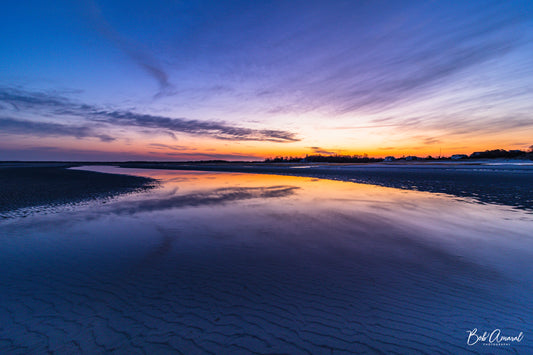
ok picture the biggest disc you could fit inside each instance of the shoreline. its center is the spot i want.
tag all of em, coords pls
(51, 183)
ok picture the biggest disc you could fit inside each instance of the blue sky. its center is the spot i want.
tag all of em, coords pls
(171, 80)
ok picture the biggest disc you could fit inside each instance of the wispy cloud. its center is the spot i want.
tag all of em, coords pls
(458, 123)
(171, 147)
(41, 129)
(354, 56)
(52, 105)
(135, 51)
(207, 156)
(219, 130)
(431, 140)
(319, 150)
(20, 100)
(47, 153)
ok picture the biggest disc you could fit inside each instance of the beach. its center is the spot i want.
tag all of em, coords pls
(26, 185)
(222, 262)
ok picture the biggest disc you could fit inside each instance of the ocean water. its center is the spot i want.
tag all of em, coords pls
(229, 263)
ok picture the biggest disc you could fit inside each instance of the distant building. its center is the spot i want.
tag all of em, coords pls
(389, 158)
(476, 154)
(412, 157)
(459, 156)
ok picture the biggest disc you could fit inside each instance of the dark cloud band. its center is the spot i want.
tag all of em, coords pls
(40, 129)
(44, 104)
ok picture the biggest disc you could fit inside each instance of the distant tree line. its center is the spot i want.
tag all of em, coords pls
(501, 153)
(488, 154)
(325, 159)
(284, 160)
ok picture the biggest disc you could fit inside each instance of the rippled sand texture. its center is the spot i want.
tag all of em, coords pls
(237, 263)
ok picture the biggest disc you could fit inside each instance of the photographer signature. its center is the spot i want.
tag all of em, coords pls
(493, 338)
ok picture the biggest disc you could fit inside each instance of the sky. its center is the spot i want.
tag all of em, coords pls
(246, 80)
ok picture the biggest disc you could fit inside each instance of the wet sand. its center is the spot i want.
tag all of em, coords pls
(228, 263)
(31, 185)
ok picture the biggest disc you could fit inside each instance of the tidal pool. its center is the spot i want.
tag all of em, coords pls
(229, 263)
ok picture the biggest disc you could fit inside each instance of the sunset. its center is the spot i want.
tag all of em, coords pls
(266, 177)
(249, 80)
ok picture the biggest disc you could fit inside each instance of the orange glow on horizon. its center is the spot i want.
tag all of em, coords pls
(191, 148)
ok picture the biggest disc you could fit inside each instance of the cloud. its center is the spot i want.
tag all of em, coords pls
(207, 156)
(184, 153)
(431, 140)
(458, 123)
(15, 126)
(318, 150)
(138, 54)
(219, 130)
(48, 153)
(44, 104)
(20, 100)
(354, 56)
(171, 147)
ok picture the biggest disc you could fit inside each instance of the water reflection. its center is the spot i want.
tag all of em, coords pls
(235, 263)
(208, 198)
